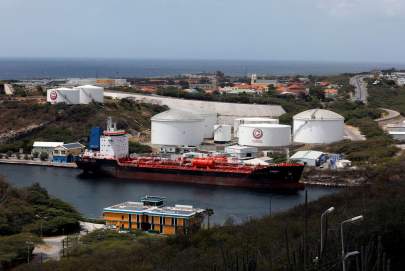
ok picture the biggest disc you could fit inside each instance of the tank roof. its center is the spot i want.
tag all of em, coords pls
(176, 115)
(318, 114)
(257, 119)
(265, 125)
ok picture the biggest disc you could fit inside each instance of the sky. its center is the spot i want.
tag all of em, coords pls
(303, 30)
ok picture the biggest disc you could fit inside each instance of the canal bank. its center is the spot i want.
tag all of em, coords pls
(91, 195)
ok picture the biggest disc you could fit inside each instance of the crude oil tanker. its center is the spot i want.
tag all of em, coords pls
(112, 159)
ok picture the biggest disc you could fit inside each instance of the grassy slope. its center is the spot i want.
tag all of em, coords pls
(72, 123)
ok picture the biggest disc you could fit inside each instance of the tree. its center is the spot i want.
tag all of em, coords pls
(209, 212)
(44, 156)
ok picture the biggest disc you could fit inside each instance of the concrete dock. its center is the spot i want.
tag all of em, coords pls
(37, 163)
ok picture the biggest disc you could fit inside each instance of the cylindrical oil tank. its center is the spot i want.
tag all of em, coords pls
(253, 120)
(178, 128)
(264, 135)
(318, 126)
(63, 95)
(222, 133)
(203, 162)
(89, 94)
(209, 120)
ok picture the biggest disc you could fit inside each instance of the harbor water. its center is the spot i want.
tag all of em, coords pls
(91, 195)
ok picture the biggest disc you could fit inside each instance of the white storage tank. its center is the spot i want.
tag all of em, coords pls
(240, 121)
(62, 95)
(209, 120)
(318, 126)
(264, 135)
(89, 94)
(178, 128)
(222, 133)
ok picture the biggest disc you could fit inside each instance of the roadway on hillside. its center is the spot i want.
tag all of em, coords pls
(360, 88)
(227, 112)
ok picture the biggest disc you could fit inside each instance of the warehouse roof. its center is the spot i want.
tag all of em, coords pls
(44, 144)
(75, 145)
(318, 114)
(176, 115)
(306, 155)
(184, 211)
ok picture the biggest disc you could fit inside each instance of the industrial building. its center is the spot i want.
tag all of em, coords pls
(318, 126)
(67, 153)
(152, 215)
(264, 135)
(241, 152)
(45, 147)
(310, 158)
(255, 120)
(177, 128)
(77, 95)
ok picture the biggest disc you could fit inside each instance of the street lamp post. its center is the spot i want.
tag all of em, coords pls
(349, 254)
(323, 216)
(28, 243)
(344, 255)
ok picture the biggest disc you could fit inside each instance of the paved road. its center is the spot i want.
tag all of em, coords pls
(51, 248)
(227, 112)
(353, 133)
(360, 91)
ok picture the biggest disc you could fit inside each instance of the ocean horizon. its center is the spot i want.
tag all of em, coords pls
(40, 68)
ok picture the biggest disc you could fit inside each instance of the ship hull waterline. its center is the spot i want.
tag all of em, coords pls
(275, 178)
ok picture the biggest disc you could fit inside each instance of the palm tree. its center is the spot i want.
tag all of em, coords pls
(209, 213)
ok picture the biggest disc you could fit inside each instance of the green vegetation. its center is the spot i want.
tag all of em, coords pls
(387, 95)
(285, 241)
(136, 147)
(25, 214)
(70, 123)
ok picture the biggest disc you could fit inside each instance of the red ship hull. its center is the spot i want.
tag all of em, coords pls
(272, 177)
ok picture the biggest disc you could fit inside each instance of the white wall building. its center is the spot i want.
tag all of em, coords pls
(45, 147)
(177, 128)
(265, 135)
(318, 126)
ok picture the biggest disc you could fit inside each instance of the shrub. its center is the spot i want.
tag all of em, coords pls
(44, 156)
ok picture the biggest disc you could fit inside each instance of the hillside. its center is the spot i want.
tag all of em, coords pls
(25, 214)
(286, 241)
(69, 123)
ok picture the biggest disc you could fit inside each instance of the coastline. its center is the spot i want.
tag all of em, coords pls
(37, 163)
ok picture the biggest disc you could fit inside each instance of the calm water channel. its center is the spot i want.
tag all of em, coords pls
(90, 196)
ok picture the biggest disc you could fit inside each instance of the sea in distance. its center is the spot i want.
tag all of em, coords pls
(91, 195)
(39, 68)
